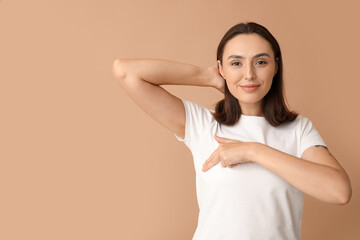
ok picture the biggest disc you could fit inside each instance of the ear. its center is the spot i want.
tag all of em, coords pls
(220, 68)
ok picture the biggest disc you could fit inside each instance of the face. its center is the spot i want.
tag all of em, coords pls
(248, 68)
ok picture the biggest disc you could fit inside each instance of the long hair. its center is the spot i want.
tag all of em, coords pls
(228, 110)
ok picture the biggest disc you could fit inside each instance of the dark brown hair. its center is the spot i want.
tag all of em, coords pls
(228, 111)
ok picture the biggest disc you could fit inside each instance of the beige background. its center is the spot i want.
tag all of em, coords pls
(79, 160)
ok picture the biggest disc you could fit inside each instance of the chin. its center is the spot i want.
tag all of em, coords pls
(250, 100)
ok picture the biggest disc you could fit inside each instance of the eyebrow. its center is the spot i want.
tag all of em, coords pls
(257, 55)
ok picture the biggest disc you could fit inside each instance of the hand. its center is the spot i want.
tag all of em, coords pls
(229, 153)
(217, 80)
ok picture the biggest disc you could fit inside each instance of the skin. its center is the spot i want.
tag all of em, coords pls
(250, 69)
(317, 173)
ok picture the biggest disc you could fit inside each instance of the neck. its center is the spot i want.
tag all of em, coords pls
(252, 109)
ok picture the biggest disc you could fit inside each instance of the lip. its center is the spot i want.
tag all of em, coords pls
(250, 87)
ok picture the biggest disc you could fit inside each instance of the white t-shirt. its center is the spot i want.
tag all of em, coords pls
(246, 202)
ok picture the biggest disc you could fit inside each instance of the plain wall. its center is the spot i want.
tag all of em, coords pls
(79, 160)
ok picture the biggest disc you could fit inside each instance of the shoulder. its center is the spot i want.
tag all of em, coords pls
(302, 125)
(197, 106)
(196, 110)
(300, 121)
(304, 122)
(309, 135)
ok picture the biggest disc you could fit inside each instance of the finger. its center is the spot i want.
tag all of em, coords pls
(220, 139)
(226, 164)
(223, 164)
(211, 164)
(215, 160)
(224, 140)
(232, 165)
(209, 159)
(206, 164)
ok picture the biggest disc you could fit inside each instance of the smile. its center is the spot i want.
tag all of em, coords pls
(250, 88)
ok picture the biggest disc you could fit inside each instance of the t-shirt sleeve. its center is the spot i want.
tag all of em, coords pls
(309, 136)
(198, 121)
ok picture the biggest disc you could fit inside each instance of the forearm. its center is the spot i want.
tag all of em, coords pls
(319, 181)
(162, 72)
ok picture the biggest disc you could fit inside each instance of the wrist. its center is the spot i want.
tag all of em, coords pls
(254, 151)
(205, 77)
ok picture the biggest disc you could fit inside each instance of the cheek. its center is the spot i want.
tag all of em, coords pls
(233, 78)
(231, 71)
(266, 78)
(231, 87)
(266, 73)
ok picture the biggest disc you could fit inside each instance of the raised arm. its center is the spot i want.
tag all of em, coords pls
(141, 80)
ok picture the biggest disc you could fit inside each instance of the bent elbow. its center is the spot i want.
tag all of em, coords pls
(345, 199)
(118, 69)
(345, 196)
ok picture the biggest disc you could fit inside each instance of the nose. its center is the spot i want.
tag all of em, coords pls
(249, 72)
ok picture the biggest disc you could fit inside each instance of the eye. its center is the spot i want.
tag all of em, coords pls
(235, 63)
(261, 62)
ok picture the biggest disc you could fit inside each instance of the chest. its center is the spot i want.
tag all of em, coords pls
(250, 177)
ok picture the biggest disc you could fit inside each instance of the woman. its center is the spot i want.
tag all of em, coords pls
(269, 156)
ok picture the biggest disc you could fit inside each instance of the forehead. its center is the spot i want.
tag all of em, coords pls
(247, 45)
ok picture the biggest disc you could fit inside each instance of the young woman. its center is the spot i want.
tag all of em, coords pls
(254, 158)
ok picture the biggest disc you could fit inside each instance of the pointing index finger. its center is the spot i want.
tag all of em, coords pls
(212, 161)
